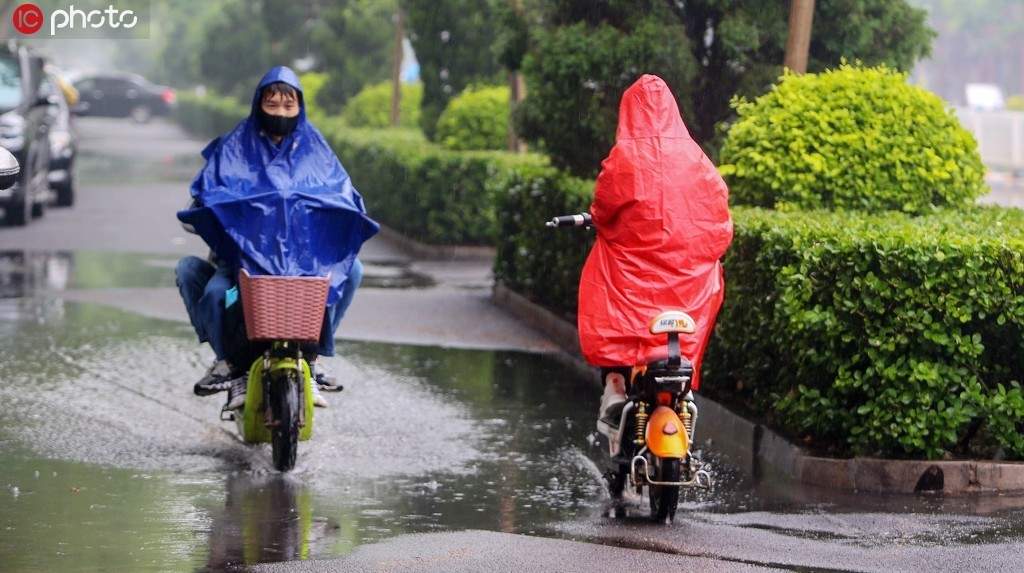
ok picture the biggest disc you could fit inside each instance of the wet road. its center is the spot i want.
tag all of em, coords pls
(453, 458)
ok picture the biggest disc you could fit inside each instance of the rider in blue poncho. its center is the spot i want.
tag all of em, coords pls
(273, 199)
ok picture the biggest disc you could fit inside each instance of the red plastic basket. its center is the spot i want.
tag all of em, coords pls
(283, 308)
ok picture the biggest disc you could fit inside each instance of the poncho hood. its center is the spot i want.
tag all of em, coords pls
(663, 224)
(279, 209)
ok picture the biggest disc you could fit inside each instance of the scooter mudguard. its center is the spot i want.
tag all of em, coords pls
(250, 420)
(666, 436)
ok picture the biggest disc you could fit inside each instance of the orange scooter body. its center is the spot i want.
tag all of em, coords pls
(666, 436)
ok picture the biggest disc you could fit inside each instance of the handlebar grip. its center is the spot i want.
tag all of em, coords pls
(580, 220)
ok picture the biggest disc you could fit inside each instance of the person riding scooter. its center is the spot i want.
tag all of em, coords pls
(662, 218)
(272, 199)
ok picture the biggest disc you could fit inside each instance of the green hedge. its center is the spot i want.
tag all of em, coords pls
(540, 263)
(852, 138)
(371, 107)
(209, 115)
(423, 191)
(476, 119)
(878, 335)
(875, 335)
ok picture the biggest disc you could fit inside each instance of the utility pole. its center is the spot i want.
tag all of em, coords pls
(396, 71)
(801, 19)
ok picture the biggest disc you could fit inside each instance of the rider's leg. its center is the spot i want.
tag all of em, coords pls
(332, 318)
(211, 308)
(211, 313)
(335, 312)
(614, 396)
(191, 276)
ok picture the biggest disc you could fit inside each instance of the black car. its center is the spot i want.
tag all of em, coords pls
(63, 141)
(24, 131)
(121, 95)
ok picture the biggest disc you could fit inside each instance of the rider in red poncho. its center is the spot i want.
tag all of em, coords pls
(662, 217)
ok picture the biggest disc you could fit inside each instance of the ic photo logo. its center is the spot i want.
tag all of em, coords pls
(27, 19)
(83, 20)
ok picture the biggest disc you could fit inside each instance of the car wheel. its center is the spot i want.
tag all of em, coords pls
(16, 213)
(65, 194)
(141, 114)
(38, 209)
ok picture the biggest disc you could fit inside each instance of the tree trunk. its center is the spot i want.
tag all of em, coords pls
(798, 45)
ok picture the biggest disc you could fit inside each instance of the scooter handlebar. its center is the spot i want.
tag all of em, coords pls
(580, 220)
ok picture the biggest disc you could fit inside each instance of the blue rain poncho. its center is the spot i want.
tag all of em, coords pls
(288, 209)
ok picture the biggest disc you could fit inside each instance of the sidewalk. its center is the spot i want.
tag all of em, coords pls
(456, 311)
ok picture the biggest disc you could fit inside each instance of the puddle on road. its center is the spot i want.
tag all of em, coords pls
(108, 462)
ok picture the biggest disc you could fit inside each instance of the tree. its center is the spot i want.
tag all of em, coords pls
(578, 67)
(235, 48)
(741, 44)
(712, 50)
(452, 39)
(354, 41)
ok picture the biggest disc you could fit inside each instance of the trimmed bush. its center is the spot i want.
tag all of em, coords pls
(312, 86)
(853, 138)
(371, 107)
(877, 334)
(476, 119)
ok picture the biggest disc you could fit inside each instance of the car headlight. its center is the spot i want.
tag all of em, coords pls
(12, 131)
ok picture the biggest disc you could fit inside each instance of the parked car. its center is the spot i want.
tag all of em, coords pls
(121, 95)
(24, 131)
(63, 139)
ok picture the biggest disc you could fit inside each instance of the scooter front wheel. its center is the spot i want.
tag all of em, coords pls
(665, 498)
(284, 435)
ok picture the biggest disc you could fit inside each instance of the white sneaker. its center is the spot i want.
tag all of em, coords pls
(318, 400)
(613, 398)
(236, 393)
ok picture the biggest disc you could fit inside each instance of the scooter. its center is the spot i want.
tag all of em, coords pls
(650, 434)
(283, 315)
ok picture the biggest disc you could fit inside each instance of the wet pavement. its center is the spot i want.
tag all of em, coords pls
(451, 448)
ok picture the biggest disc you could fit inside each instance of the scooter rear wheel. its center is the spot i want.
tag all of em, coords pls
(284, 403)
(665, 498)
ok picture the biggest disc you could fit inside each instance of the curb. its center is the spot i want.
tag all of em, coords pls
(437, 252)
(762, 453)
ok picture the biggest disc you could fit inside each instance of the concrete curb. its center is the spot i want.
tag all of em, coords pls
(761, 452)
(437, 252)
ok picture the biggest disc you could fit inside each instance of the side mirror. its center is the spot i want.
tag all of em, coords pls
(9, 169)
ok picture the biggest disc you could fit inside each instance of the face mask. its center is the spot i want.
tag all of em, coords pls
(276, 125)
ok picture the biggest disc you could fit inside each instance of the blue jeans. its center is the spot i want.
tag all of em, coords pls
(203, 289)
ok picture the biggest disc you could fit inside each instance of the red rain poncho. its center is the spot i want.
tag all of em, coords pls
(662, 217)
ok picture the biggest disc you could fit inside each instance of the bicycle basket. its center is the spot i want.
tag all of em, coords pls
(283, 308)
